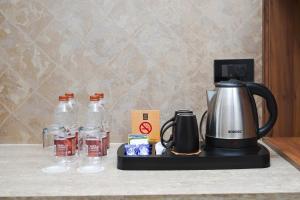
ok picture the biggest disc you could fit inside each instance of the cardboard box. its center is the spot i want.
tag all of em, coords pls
(146, 122)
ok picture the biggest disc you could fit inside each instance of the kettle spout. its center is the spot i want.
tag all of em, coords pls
(209, 95)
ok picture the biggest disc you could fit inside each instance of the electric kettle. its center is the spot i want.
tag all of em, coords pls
(232, 120)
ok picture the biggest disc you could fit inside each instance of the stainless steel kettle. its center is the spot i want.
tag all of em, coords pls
(232, 120)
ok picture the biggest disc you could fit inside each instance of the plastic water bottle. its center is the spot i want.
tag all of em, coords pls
(64, 117)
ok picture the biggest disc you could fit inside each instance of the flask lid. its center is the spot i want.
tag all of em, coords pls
(63, 98)
(230, 83)
(94, 98)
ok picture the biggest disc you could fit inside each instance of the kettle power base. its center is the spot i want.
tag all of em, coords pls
(259, 157)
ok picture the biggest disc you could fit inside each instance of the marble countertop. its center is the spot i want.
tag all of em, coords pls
(21, 176)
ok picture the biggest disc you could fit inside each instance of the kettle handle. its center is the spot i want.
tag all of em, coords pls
(261, 90)
(162, 131)
(167, 143)
(166, 123)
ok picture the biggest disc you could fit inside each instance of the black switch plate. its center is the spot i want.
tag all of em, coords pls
(240, 69)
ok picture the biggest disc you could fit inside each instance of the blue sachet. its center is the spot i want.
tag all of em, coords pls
(131, 150)
(137, 149)
(144, 149)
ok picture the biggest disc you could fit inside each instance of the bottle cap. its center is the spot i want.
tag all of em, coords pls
(63, 98)
(70, 95)
(100, 94)
(94, 98)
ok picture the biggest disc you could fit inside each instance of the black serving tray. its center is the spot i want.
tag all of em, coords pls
(255, 157)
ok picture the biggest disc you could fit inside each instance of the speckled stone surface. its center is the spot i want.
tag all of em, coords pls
(21, 178)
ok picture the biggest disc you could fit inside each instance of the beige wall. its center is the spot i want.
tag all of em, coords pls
(142, 54)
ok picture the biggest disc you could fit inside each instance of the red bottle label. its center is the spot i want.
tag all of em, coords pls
(60, 147)
(65, 147)
(93, 148)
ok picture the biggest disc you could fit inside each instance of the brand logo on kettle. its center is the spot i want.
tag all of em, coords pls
(235, 131)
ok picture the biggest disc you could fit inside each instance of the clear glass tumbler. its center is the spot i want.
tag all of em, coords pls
(90, 150)
(56, 145)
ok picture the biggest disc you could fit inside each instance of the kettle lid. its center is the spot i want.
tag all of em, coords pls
(230, 83)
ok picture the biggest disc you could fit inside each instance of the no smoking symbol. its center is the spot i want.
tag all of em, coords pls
(145, 128)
